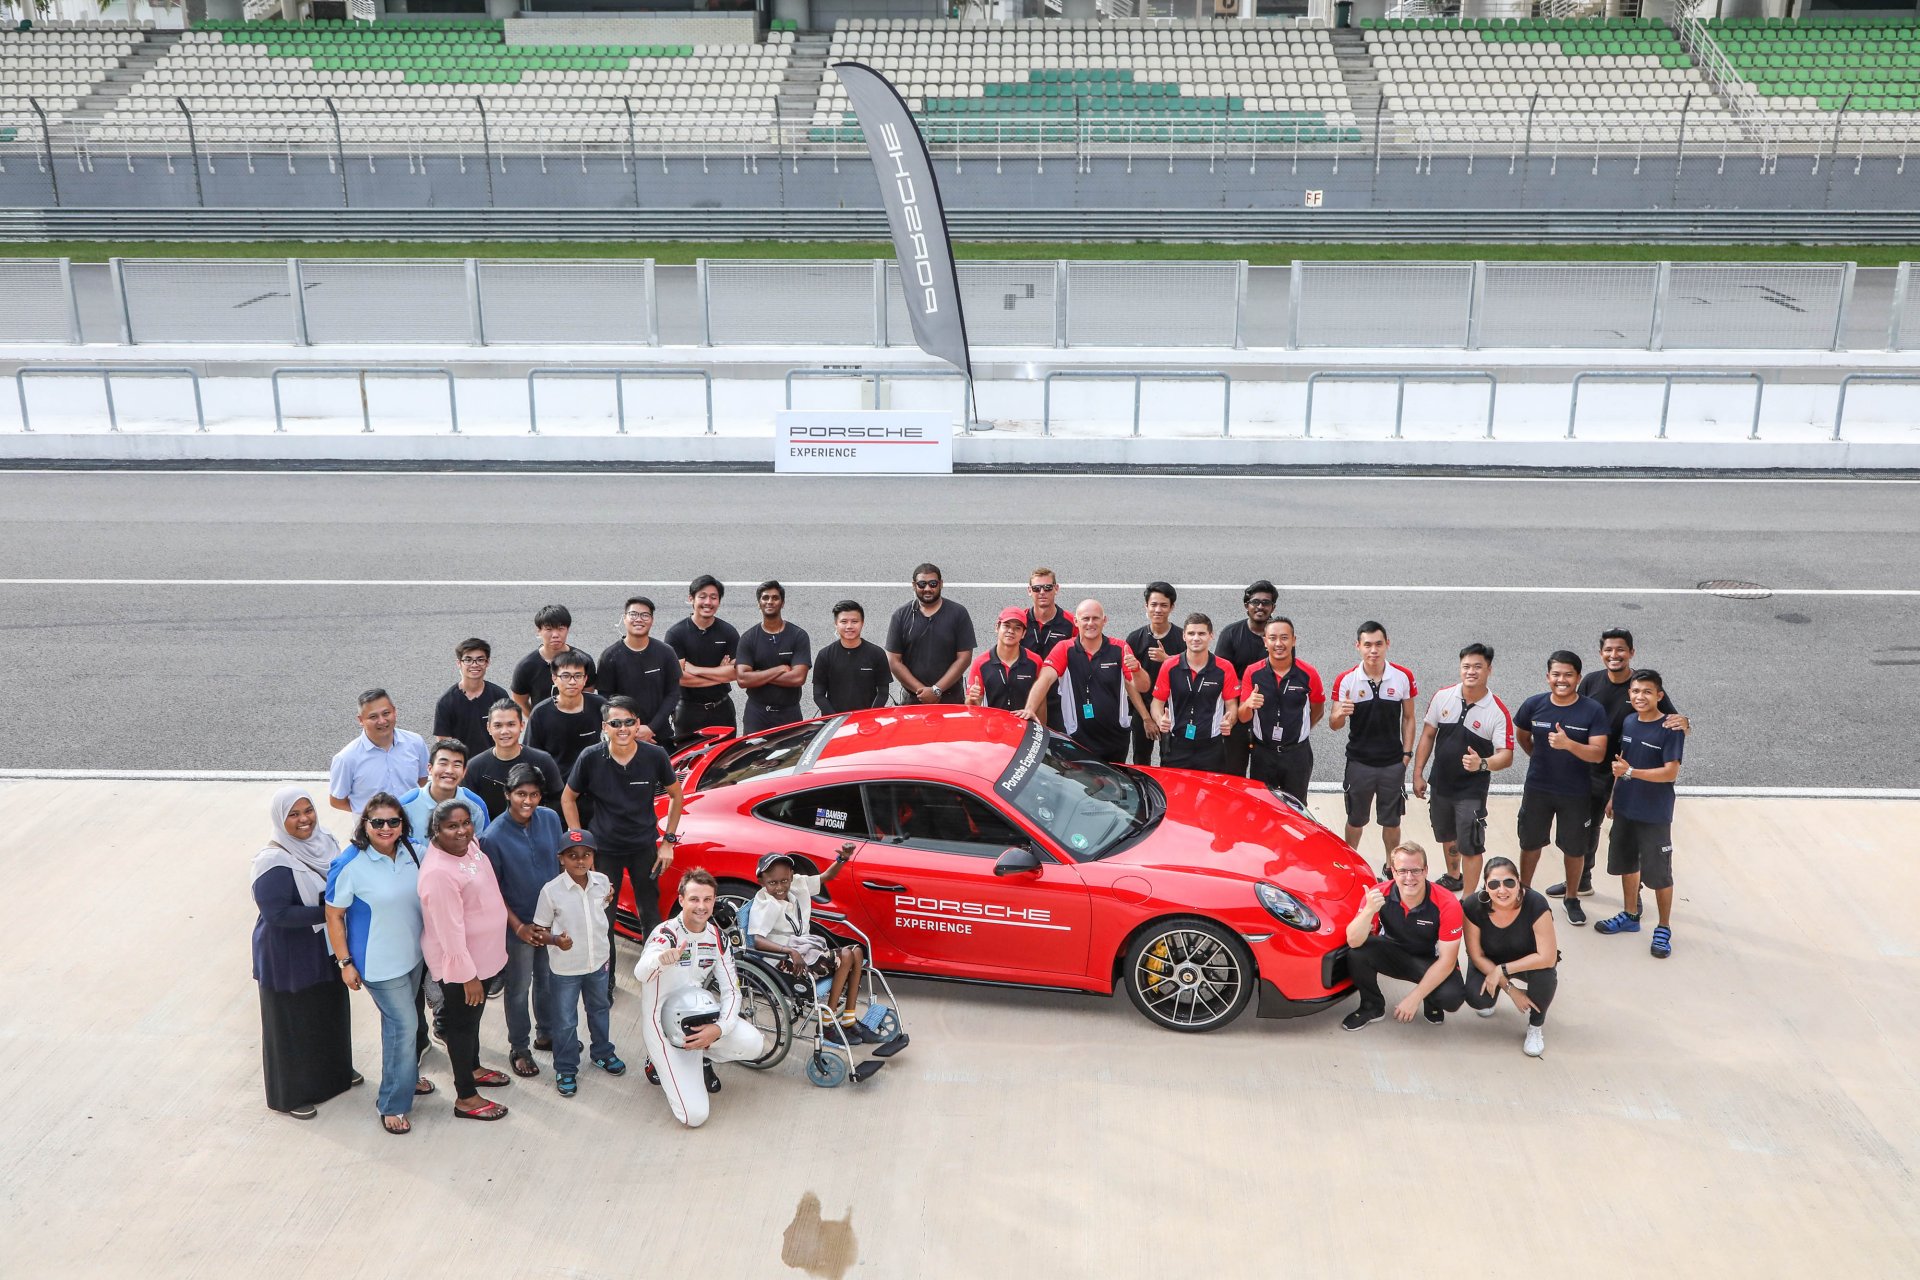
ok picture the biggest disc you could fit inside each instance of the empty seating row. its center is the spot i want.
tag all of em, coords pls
(58, 68)
(1855, 64)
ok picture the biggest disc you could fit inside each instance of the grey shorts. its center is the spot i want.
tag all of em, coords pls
(1460, 819)
(1567, 820)
(1643, 847)
(1375, 787)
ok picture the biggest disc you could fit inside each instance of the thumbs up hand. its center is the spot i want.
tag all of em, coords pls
(1620, 766)
(1471, 761)
(1558, 739)
(1256, 699)
(975, 693)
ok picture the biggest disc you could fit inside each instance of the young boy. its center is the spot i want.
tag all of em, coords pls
(572, 915)
(778, 918)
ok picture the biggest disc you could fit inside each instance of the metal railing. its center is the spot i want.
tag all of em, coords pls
(1139, 378)
(1840, 405)
(882, 375)
(619, 374)
(366, 411)
(1667, 377)
(1400, 378)
(106, 375)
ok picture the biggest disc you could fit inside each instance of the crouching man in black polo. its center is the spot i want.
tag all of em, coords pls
(1409, 929)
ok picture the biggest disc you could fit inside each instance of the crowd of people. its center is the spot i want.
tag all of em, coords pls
(487, 859)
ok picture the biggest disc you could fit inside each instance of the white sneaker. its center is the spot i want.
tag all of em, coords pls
(1536, 1045)
(1486, 1012)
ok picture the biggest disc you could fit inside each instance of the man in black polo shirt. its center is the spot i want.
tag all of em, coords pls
(569, 722)
(487, 772)
(930, 643)
(1241, 645)
(647, 670)
(707, 648)
(1154, 644)
(1280, 702)
(462, 710)
(533, 675)
(1100, 686)
(1194, 700)
(1047, 625)
(774, 658)
(850, 674)
(1408, 929)
(621, 777)
(1003, 676)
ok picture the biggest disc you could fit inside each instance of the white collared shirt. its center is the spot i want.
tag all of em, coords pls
(580, 912)
(771, 918)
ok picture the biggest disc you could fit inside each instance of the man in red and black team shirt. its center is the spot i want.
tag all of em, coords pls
(1003, 676)
(1468, 735)
(1100, 686)
(1376, 698)
(1047, 625)
(1280, 702)
(1408, 928)
(1193, 702)
(1242, 645)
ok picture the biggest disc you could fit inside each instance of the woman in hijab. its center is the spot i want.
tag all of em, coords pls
(306, 1038)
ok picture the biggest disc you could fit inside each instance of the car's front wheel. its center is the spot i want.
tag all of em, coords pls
(1189, 974)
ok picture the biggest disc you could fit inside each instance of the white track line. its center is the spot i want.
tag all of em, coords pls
(1319, 788)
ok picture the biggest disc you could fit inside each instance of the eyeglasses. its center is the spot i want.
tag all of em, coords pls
(382, 824)
(1411, 871)
(569, 675)
(925, 584)
(1043, 588)
(1260, 602)
(636, 616)
(1508, 883)
(622, 724)
(475, 659)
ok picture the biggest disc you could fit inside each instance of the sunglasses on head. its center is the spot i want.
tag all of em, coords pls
(1506, 883)
(383, 823)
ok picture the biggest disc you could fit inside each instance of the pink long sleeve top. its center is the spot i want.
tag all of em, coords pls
(463, 919)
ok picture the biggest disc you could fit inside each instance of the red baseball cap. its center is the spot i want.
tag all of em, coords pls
(1013, 613)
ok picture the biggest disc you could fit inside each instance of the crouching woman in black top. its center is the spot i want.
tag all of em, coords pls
(1511, 948)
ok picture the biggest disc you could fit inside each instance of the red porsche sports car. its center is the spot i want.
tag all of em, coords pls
(990, 850)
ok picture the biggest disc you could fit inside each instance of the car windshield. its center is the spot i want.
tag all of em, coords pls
(760, 756)
(1081, 802)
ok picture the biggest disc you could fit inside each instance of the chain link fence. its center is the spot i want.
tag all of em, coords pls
(1363, 304)
(1599, 305)
(806, 303)
(1137, 304)
(36, 301)
(1007, 304)
(1764, 305)
(551, 301)
(208, 300)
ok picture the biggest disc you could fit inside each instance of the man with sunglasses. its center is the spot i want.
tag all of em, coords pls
(621, 778)
(1243, 645)
(1408, 928)
(1047, 625)
(930, 643)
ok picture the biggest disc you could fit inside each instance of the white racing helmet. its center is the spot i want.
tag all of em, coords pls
(686, 1010)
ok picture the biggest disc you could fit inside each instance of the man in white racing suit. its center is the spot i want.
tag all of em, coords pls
(687, 951)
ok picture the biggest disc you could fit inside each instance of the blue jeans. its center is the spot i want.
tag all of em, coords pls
(527, 972)
(398, 1000)
(568, 991)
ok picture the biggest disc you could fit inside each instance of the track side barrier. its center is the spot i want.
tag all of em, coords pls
(1139, 377)
(366, 413)
(1667, 378)
(619, 374)
(106, 374)
(1400, 378)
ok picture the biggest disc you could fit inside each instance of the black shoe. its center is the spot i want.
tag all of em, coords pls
(1436, 1015)
(1576, 914)
(1452, 884)
(713, 1078)
(1557, 890)
(1586, 886)
(1361, 1017)
(652, 1077)
(356, 1079)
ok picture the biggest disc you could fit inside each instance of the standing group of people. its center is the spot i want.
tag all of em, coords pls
(492, 856)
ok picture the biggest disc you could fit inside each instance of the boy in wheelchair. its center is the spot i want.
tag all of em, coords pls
(778, 922)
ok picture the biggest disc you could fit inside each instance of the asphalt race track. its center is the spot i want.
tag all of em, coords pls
(208, 621)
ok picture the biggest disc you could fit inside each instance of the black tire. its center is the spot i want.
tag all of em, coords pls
(739, 895)
(1188, 974)
(763, 1005)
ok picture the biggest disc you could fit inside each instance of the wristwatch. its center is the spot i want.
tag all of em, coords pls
(1629, 773)
(670, 837)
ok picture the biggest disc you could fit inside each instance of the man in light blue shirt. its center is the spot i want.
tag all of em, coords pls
(446, 769)
(382, 758)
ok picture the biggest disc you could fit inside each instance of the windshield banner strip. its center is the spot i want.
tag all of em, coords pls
(1025, 763)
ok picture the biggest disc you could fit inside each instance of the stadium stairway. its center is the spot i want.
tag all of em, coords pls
(113, 90)
(1356, 68)
(806, 70)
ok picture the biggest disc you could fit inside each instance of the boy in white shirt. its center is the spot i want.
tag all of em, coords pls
(572, 914)
(778, 921)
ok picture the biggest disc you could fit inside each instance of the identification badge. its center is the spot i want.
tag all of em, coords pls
(1189, 733)
(1086, 711)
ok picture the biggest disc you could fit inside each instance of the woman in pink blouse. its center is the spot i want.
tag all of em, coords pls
(464, 936)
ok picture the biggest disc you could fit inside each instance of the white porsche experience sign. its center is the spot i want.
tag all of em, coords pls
(863, 441)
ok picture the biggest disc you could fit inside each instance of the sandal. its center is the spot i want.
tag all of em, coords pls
(396, 1125)
(422, 1087)
(490, 1078)
(303, 1113)
(523, 1065)
(490, 1111)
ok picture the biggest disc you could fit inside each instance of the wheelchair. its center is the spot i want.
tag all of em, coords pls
(785, 1008)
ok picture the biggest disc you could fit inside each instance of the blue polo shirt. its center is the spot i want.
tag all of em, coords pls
(360, 769)
(419, 806)
(1647, 744)
(381, 897)
(1549, 769)
(523, 858)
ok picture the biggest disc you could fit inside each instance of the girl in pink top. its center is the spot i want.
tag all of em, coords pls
(464, 935)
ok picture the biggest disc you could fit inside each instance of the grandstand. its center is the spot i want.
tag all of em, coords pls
(58, 63)
(1859, 64)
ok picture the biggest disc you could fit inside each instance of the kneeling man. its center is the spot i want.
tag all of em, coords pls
(688, 953)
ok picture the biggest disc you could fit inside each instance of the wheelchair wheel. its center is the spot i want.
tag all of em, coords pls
(827, 1069)
(762, 1005)
(889, 1024)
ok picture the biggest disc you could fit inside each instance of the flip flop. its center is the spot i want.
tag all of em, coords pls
(492, 1111)
(404, 1125)
(422, 1087)
(523, 1065)
(490, 1078)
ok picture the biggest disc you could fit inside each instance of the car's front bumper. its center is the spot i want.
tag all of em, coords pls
(1333, 974)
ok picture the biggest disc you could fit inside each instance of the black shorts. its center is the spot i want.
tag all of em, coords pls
(1643, 847)
(1568, 820)
(1371, 788)
(1460, 819)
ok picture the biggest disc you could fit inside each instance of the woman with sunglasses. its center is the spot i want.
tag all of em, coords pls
(1511, 948)
(373, 924)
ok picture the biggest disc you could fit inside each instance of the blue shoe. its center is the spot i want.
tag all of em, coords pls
(611, 1064)
(567, 1085)
(1662, 942)
(1625, 922)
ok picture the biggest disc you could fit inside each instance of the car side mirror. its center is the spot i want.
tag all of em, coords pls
(1016, 861)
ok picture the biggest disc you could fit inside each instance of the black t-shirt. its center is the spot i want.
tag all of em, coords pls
(762, 650)
(650, 676)
(1515, 942)
(928, 646)
(1172, 644)
(487, 778)
(714, 647)
(458, 716)
(565, 734)
(622, 795)
(1613, 697)
(850, 679)
(1242, 646)
(533, 676)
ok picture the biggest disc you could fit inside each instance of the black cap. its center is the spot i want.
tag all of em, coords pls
(769, 861)
(577, 839)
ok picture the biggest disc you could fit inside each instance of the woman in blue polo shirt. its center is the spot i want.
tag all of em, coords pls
(373, 922)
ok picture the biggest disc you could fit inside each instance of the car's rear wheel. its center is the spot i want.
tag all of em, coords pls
(1189, 974)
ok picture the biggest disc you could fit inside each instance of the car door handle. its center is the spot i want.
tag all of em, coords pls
(878, 887)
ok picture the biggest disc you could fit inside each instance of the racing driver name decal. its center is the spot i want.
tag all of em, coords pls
(949, 915)
(1022, 765)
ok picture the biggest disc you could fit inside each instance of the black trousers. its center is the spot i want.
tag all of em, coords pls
(460, 1026)
(1209, 756)
(691, 717)
(1109, 745)
(1379, 958)
(1289, 768)
(1239, 745)
(637, 865)
(1143, 746)
(1541, 985)
(759, 719)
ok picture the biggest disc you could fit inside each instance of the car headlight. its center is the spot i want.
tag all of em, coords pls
(1286, 908)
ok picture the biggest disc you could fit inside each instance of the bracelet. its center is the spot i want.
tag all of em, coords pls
(343, 964)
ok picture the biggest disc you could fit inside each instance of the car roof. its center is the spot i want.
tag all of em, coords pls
(972, 741)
